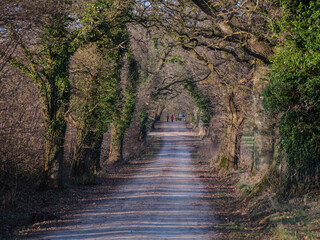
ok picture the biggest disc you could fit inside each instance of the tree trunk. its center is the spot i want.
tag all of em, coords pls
(124, 115)
(96, 150)
(116, 144)
(263, 129)
(230, 150)
(157, 115)
(237, 150)
(87, 153)
(143, 122)
(81, 158)
(203, 128)
(87, 164)
(54, 150)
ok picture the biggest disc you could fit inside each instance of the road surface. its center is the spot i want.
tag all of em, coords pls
(165, 199)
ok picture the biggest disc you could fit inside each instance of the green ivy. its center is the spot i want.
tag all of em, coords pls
(293, 94)
(104, 26)
(143, 120)
(201, 100)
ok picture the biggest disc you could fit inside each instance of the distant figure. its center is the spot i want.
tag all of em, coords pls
(184, 116)
(180, 116)
(167, 117)
(171, 118)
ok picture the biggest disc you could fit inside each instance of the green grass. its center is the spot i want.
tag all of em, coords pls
(290, 221)
(296, 224)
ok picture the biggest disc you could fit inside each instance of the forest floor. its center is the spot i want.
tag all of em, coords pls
(169, 193)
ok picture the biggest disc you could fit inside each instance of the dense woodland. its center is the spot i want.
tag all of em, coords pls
(81, 82)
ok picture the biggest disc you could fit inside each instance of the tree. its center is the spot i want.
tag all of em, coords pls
(245, 26)
(199, 36)
(201, 101)
(94, 79)
(294, 92)
(124, 110)
(105, 40)
(153, 52)
(44, 47)
(239, 30)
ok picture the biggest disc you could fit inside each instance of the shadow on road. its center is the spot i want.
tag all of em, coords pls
(163, 198)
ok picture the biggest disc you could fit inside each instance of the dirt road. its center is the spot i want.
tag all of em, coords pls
(165, 199)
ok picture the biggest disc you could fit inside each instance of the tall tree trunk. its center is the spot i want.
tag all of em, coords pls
(143, 122)
(263, 129)
(96, 150)
(81, 158)
(124, 115)
(157, 115)
(229, 151)
(116, 144)
(238, 150)
(203, 128)
(86, 159)
(54, 151)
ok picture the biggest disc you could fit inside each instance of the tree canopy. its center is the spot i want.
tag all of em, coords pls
(102, 66)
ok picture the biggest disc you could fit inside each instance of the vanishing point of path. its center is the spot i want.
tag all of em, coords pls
(165, 199)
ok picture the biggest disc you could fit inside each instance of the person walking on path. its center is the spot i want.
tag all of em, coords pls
(172, 118)
(184, 116)
(180, 116)
(167, 117)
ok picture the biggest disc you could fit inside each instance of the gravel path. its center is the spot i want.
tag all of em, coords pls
(165, 199)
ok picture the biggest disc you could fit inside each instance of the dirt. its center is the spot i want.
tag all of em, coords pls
(169, 193)
(162, 198)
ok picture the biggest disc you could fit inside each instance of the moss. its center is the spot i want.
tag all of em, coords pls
(267, 181)
(253, 171)
(223, 162)
(259, 187)
(201, 100)
(245, 189)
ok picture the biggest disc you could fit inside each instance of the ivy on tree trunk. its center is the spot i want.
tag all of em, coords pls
(49, 69)
(124, 114)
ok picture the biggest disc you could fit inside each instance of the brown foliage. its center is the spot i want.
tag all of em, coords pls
(21, 141)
